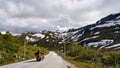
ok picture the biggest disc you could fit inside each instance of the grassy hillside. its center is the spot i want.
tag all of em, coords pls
(84, 57)
(12, 49)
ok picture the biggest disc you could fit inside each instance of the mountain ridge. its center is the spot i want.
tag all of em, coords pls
(104, 34)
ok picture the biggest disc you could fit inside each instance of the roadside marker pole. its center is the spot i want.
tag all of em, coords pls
(24, 49)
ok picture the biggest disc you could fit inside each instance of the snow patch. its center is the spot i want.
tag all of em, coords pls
(47, 40)
(89, 38)
(32, 40)
(81, 34)
(3, 32)
(76, 32)
(15, 34)
(117, 48)
(77, 36)
(60, 42)
(118, 17)
(104, 42)
(63, 34)
(96, 33)
(117, 32)
(95, 44)
(110, 23)
(27, 38)
(116, 45)
(117, 28)
(39, 35)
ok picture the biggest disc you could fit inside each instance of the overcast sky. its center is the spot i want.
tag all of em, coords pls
(35, 15)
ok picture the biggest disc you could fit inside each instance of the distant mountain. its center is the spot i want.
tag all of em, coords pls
(104, 34)
(47, 39)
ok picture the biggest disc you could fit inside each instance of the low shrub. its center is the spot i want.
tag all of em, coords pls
(87, 54)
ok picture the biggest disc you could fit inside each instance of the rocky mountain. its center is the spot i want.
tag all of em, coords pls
(104, 34)
(47, 39)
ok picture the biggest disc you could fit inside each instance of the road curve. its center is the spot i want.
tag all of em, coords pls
(52, 60)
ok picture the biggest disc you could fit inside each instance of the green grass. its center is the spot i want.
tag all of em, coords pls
(11, 46)
(79, 64)
(85, 57)
(7, 57)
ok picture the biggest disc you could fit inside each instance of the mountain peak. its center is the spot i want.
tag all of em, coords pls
(109, 18)
(105, 34)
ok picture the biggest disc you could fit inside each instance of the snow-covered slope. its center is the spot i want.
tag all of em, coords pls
(104, 34)
(48, 39)
(34, 37)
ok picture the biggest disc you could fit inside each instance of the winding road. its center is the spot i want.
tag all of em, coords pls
(52, 60)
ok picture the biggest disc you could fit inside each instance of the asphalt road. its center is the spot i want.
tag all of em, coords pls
(52, 60)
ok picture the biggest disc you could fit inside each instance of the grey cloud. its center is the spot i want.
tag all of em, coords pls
(35, 15)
